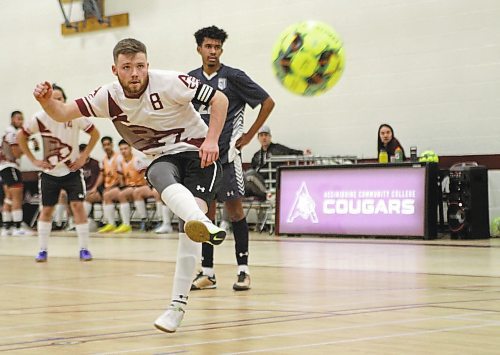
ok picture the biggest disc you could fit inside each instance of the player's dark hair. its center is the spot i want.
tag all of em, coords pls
(82, 147)
(123, 141)
(106, 138)
(128, 46)
(211, 32)
(57, 87)
(15, 113)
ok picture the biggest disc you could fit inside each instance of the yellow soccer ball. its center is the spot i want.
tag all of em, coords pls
(308, 58)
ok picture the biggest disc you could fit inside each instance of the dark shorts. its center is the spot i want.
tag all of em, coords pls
(11, 176)
(51, 186)
(184, 168)
(233, 184)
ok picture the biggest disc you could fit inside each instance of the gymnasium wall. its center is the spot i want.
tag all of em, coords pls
(431, 68)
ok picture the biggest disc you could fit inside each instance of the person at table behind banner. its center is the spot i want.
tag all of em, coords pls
(386, 141)
(254, 179)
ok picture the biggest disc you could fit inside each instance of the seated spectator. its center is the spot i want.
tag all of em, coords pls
(140, 195)
(110, 189)
(132, 169)
(386, 141)
(254, 180)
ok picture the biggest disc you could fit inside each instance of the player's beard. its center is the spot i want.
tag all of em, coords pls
(131, 91)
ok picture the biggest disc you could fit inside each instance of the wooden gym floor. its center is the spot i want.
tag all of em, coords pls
(308, 296)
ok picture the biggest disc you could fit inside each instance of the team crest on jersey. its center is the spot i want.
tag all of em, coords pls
(222, 83)
(55, 150)
(190, 81)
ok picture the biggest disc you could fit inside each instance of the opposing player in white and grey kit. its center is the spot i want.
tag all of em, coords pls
(12, 212)
(61, 164)
(152, 110)
(240, 90)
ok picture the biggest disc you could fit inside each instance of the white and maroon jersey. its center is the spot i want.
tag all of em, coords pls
(9, 140)
(60, 140)
(162, 120)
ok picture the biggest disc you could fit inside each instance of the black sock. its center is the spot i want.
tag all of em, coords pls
(240, 231)
(207, 255)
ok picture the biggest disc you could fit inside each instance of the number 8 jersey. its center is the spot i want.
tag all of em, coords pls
(162, 120)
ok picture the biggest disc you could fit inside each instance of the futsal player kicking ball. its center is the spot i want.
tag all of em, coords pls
(61, 166)
(152, 110)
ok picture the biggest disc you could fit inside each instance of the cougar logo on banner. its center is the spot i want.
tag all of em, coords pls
(303, 206)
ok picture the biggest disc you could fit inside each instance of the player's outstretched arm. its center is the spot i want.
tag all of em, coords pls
(59, 111)
(209, 150)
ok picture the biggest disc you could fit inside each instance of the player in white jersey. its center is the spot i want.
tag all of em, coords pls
(152, 110)
(12, 212)
(61, 170)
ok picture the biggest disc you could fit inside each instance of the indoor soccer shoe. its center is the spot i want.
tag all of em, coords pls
(243, 282)
(19, 232)
(164, 229)
(203, 282)
(170, 320)
(85, 255)
(41, 257)
(107, 228)
(202, 232)
(123, 228)
(6, 232)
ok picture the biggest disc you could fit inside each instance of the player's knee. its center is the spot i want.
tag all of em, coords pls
(46, 213)
(236, 216)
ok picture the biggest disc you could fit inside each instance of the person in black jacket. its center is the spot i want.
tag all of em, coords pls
(254, 180)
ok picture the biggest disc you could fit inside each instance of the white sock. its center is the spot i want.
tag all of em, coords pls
(17, 216)
(188, 253)
(165, 215)
(140, 207)
(159, 205)
(6, 216)
(43, 229)
(125, 213)
(82, 231)
(59, 213)
(109, 213)
(243, 268)
(88, 207)
(181, 201)
(208, 271)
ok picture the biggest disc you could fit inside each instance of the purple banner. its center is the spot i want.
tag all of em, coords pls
(358, 201)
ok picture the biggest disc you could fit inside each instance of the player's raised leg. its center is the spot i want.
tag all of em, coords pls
(180, 198)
